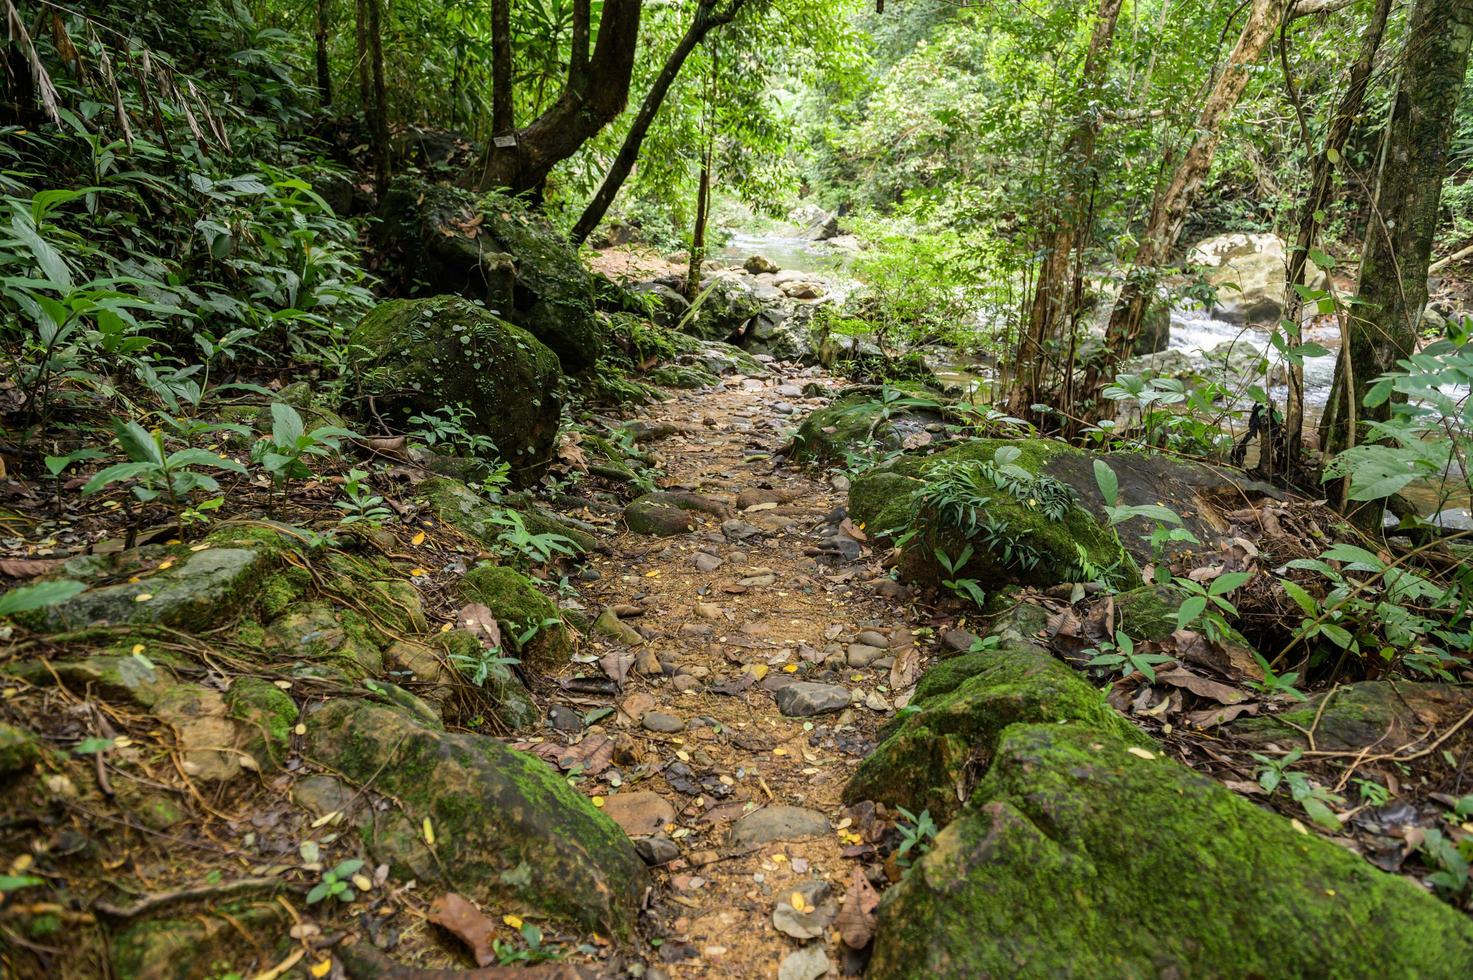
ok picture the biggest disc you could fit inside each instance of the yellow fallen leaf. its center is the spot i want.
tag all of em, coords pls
(759, 671)
(418, 539)
(779, 751)
(138, 648)
(363, 882)
(515, 921)
(322, 969)
(168, 563)
(301, 729)
(796, 900)
(134, 579)
(1142, 753)
(790, 668)
(122, 742)
(1299, 826)
(143, 597)
(199, 547)
(429, 831)
(654, 574)
(417, 572)
(446, 628)
(598, 801)
(779, 858)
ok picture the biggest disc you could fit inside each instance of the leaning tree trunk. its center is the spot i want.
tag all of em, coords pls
(521, 159)
(1312, 210)
(1173, 202)
(707, 18)
(1393, 273)
(324, 75)
(503, 112)
(1053, 295)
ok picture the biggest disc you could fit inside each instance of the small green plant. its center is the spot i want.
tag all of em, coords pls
(1273, 683)
(1373, 792)
(1122, 654)
(917, 832)
(447, 427)
(27, 597)
(1315, 800)
(361, 504)
(1451, 879)
(533, 952)
(479, 666)
(158, 473)
(962, 588)
(516, 541)
(282, 453)
(337, 883)
(1208, 604)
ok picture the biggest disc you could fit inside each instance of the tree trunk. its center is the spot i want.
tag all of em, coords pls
(707, 18)
(324, 76)
(1053, 294)
(703, 188)
(365, 74)
(1393, 274)
(378, 114)
(578, 58)
(521, 159)
(503, 111)
(1174, 201)
(1311, 212)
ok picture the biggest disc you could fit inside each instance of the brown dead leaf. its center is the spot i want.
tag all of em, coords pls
(388, 445)
(481, 621)
(616, 664)
(27, 567)
(1205, 574)
(467, 923)
(906, 669)
(916, 440)
(856, 919)
(1201, 686)
(847, 526)
(595, 754)
(1233, 662)
(1212, 717)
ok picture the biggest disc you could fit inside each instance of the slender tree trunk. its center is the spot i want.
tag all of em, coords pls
(1052, 295)
(1172, 204)
(1393, 274)
(365, 73)
(521, 159)
(707, 19)
(703, 188)
(578, 58)
(324, 75)
(503, 112)
(378, 119)
(1311, 211)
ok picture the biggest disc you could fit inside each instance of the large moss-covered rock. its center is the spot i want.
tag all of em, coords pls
(1023, 546)
(931, 756)
(176, 587)
(667, 513)
(320, 633)
(1079, 857)
(415, 356)
(19, 750)
(510, 701)
(1149, 613)
(1382, 714)
(267, 715)
(507, 830)
(858, 422)
(233, 939)
(491, 248)
(518, 608)
(723, 309)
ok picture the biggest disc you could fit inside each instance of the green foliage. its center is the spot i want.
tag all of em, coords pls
(917, 833)
(517, 542)
(156, 472)
(1315, 799)
(336, 883)
(282, 453)
(446, 427)
(1122, 655)
(361, 503)
(479, 665)
(24, 598)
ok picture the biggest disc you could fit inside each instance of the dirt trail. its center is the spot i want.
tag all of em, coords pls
(783, 607)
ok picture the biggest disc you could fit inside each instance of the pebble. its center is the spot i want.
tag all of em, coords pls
(564, 719)
(648, 664)
(656, 850)
(659, 721)
(774, 823)
(804, 699)
(590, 574)
(685, 683)
(808, 963)
(819, 910)
(705, 562)
(839, 482)
(708, 610)
(873, 638)
(864, 654)
(639, 814)
(959, 640)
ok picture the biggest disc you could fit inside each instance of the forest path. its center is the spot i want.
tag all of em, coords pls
(742, 797)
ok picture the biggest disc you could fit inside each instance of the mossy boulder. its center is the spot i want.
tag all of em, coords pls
(507, 830)
(858, 422)
(1023, 545)
(1077, 856)
(19, 750)
(665, 514)
(723, 309)
(267, 714)
(415, 356)
(233, 939)
(492, 248)
(931, 756)
(123, 678)
(1366, 714)
(176, 587)
(518, 607)
(684, 376)
(458, 505)
(320, 632)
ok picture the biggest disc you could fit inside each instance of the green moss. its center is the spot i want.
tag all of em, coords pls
(390, 599)
(418, 355)
(268, 713)
(854, 424)
(1076, 857)
(1149, 613)
(508, 829)
(18, 750)
(683, 376)
(518, 607)
(319, 631)
(931, 756)
(509, 699)
(205, 943)
(281, 589)
(458, 505)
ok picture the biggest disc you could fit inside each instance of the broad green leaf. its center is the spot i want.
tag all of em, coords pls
(1301, 598)
(38, 596)
(1108, 483)
(286, 425)
(1224, 584)
(1190, 610)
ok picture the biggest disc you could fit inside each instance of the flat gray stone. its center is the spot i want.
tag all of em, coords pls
(706, 563)
(862, 654)
(808, 963)
(873, 638)
(659, 721)
(804, 699)
(773, 823)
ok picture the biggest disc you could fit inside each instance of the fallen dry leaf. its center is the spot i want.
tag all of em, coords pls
(479, 620)
(467, 923)
(1201, 686)
(1212, 717)
(856, 920)
(27, 567)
